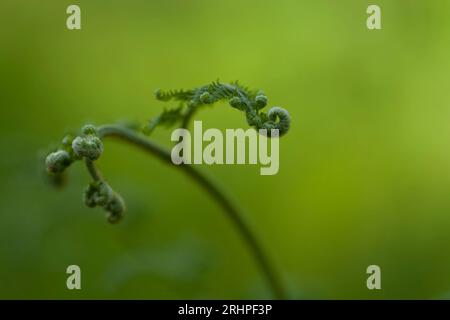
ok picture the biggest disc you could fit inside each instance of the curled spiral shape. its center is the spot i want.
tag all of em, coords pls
(206, 98)
(260, 101)
(284, 120)
(277, 118)
(88, 146)
(58, 161)
(236, 102)
(251, 102)
(99, 193)
(115, 208)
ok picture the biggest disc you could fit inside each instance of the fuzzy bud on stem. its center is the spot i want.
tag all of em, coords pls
(206, 98)
(89, 145)
(58, 161)
(260, 101)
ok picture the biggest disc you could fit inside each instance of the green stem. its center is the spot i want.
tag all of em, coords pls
(209, 186)
(93, 171)
(187, 117)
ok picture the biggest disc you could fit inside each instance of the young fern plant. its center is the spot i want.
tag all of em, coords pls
(239, 97)
(88, 147)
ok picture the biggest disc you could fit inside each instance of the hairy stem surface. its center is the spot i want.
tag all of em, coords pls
(210, 187)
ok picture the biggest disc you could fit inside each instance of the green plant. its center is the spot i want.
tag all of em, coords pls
(88, 146)
(249, 101)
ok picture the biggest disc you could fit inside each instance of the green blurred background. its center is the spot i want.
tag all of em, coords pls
(364, 174)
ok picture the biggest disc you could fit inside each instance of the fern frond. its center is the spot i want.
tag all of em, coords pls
(168, 118)
(238, 96)
(180, 95)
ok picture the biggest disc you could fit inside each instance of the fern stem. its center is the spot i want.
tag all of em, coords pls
(209, 186)
(93, 171)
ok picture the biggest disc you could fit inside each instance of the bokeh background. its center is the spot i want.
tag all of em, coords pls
(364, 174)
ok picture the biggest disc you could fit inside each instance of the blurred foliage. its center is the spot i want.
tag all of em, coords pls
(364, 174)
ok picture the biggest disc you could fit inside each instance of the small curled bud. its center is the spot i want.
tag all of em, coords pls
(89, 129)
(236, 102)
(90, 147)
(115, 208)
(88, 195)
(58, 161)
(260, 101)
(254, 120)
(284, 118)
(105, 194)
(98, 193)
(206, 98)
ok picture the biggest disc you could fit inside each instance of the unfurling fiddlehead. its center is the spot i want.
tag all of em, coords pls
(88, 146)
(239, 97)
